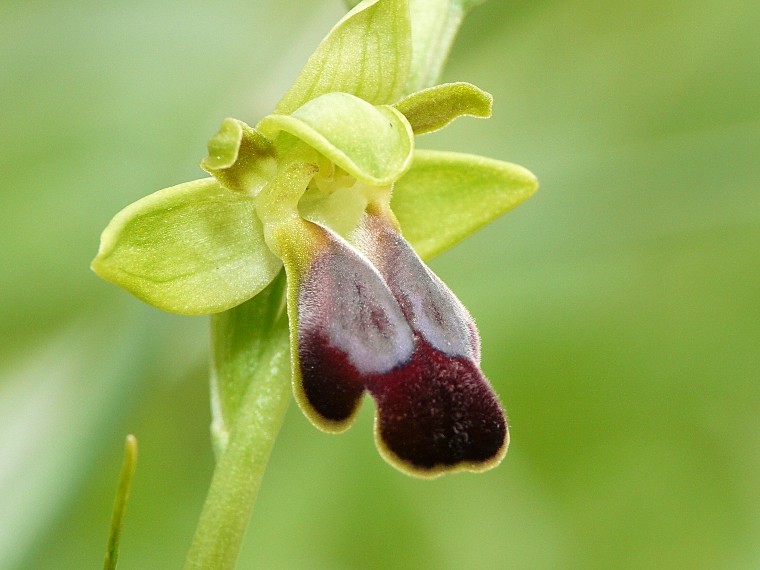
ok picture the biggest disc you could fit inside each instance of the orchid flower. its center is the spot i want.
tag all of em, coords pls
(330, 189)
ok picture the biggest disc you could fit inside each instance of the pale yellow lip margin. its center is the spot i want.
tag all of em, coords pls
(435, 472)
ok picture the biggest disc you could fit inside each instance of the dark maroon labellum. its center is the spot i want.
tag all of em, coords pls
(414, 349)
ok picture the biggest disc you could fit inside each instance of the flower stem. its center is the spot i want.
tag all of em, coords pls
(250, 426)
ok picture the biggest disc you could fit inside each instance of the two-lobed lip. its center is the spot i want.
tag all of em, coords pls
(372, 317)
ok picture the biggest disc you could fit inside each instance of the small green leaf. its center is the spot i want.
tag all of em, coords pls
(367, 54)
(373, 144)
(434, 27)
(240, 158)
(120, 503)
(446, 196)
(195, 248)
(434, 108)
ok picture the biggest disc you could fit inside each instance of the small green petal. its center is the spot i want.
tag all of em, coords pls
(193, 249)
(373, 144)
(434, 108)
(367, 54)
(446, 196)
(240, 158)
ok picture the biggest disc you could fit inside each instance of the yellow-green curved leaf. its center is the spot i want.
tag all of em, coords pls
(374, 144)
(195, 248)
(367, 54)
(434, 108)
(446, 196)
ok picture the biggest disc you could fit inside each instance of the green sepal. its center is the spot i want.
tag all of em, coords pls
(367, 54)
(240, 158)
(434, 108)
(193, 249)
(446, 196)
(373, 144)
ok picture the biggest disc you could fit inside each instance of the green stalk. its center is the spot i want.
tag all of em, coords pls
(251, 391)
(120, 503)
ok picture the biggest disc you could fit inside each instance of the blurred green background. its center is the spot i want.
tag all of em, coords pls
(619, 307)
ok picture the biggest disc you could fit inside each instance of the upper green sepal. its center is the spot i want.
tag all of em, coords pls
(367, 54)
(434, 108)
(372, 143)
(240, 158)
(193, 249)
(446, 196)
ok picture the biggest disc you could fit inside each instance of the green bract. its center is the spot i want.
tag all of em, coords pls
(434, 26)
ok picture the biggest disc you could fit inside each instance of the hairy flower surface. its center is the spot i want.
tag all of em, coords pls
(331, 189)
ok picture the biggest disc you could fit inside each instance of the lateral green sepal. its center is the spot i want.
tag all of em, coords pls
(446, 196)
(193, 249)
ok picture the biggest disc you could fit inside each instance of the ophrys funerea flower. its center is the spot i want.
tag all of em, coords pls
(331, 189)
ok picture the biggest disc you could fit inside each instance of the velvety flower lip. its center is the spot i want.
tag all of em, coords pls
(385, 324)
(437, 413)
